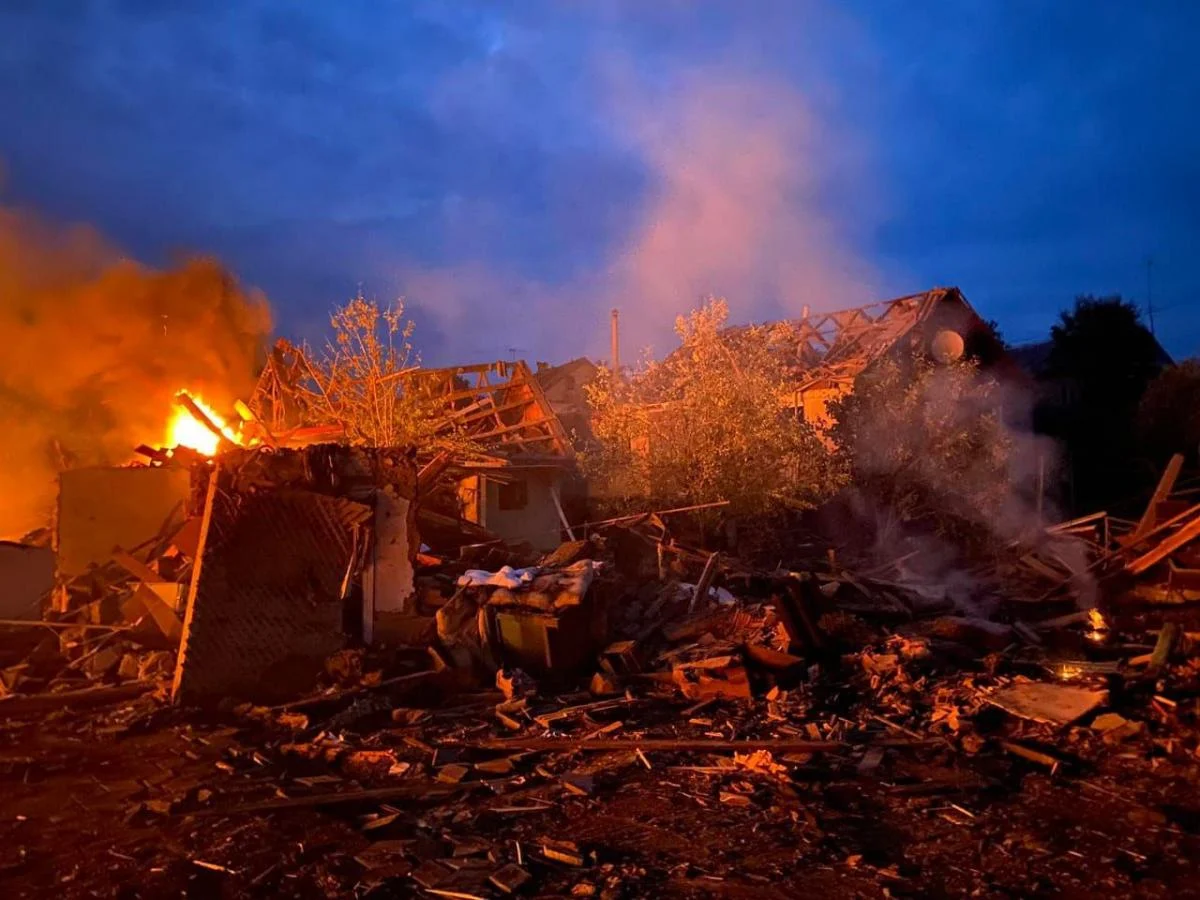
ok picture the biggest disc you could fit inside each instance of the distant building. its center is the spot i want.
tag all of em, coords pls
(564, 389)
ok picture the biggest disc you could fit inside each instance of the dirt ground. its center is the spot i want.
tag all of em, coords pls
(127, 803)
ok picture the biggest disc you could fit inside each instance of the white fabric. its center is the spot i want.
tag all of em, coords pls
(507, 577)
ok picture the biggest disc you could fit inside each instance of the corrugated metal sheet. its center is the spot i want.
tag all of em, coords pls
(266, 607)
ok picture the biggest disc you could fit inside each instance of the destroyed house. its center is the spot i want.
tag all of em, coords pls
(565, 389)
(509, 476)
(827, 352)
(508, 454)
(256, 563)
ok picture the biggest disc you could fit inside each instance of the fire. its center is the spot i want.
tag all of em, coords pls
(185, 430)
(1097, 627)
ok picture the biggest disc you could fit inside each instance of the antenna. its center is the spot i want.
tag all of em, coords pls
(1150, 292)
(513, 351)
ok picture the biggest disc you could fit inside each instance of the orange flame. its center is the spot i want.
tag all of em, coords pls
(1097, 627)
(185, 430)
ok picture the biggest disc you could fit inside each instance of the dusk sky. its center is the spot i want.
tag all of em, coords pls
(516, 169)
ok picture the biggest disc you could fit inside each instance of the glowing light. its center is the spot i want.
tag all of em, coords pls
(1097, 627)
(1067, 672)
(185, 430)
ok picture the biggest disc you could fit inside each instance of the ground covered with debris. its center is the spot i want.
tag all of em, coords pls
(718, 748)
(628, 715)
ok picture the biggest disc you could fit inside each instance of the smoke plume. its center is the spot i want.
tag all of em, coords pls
(745, 189)
(96, 347)
(740, 206)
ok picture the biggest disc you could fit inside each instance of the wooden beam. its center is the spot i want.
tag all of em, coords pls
(94, 696)
(1166, 484)
(705, 582)
(681, 745)
(210, 497)
(1184, 535)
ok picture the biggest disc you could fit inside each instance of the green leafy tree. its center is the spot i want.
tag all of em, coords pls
(705, 424)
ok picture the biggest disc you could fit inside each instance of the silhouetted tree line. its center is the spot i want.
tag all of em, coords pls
(1117, 405)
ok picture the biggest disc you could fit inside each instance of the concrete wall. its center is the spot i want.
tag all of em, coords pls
(537, 522)
(388, 580)
(102, 508)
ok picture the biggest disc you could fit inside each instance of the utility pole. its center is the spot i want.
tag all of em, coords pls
(1150, 292)
(615, 340)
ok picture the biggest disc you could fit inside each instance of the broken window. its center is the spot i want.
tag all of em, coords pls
(513, 495)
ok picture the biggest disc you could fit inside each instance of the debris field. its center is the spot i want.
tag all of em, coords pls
(628, 715)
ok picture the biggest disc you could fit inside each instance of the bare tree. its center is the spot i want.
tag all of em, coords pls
(366, 381)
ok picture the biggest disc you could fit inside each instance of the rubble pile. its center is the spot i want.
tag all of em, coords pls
(117, 624)
(628, 716)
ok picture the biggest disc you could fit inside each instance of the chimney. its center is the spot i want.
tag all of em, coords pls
(804, 312)
(616, 344)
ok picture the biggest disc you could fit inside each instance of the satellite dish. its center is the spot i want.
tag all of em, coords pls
(947, 346)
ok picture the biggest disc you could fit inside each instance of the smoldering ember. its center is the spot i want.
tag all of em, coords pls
(793, 610)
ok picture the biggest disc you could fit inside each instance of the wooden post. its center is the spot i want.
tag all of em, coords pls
(197, 568)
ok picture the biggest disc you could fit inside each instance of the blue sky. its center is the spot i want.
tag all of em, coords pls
(516, 169)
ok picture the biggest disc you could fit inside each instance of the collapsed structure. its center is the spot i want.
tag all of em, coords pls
(827, 352)
(484, 707)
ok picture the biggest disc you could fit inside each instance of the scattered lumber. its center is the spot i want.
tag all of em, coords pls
(19, 705)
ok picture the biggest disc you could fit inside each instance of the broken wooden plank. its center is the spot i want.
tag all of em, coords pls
(1055, 704)
(16, 705)
(422, 788)
(705, 582)
(1168, 636)
(82, 626)
(1089, 519)
(1184, 535)
(1166, 484)
(1161, 528)
(1031, 754)
(544, 719)
(562, 516)
(135, 566)
(411, 680)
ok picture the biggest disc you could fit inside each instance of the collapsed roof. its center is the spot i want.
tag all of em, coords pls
(498, 407)
(832, 349)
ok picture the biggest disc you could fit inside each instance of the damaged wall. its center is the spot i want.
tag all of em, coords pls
(266, 603)
(521, 508)
(103, 508)
(287, 540)
(388, 581)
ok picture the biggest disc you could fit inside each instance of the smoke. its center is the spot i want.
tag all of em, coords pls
(742, 203)
(945, 458)
(712, 180)
(96, 347)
